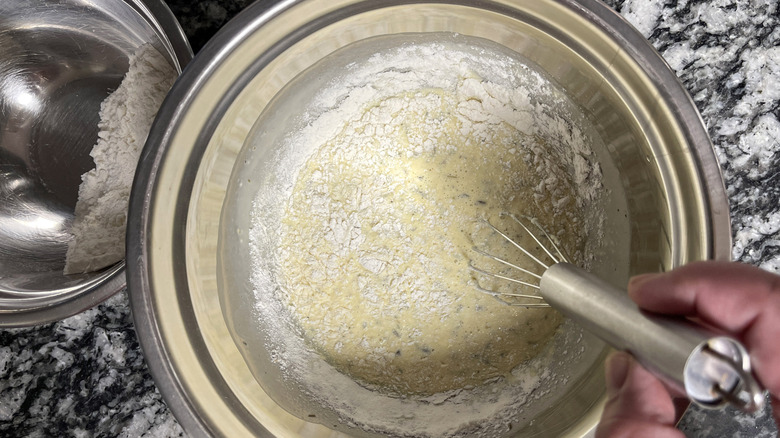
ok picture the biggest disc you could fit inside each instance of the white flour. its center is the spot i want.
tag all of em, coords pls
(125, 118)
(378, 197)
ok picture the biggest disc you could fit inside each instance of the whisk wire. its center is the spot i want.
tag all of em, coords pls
(500, 260)
(503, 277)
(549, 253)
(502, 296)
(517, 245)
(562, 258)
(544, 242)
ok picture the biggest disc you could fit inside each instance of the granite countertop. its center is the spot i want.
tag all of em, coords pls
(85, 376)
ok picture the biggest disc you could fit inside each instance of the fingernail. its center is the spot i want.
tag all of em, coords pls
(637, 280)
(617, 370)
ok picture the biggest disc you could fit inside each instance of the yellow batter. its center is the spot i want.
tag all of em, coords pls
(379, 231)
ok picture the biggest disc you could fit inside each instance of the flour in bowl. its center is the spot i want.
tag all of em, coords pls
(98, 231)
(378, 234)
(382, 194)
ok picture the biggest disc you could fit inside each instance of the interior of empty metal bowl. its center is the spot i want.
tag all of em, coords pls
(58, 62)
(211, 347)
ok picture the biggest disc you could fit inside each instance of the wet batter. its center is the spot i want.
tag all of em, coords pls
(378, 234)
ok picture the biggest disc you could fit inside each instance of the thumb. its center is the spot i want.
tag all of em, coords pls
(638, 404)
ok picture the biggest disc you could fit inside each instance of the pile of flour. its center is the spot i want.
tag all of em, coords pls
(125, 119)
(352, 185)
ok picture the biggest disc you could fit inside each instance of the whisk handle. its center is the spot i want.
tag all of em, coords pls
(712, 370)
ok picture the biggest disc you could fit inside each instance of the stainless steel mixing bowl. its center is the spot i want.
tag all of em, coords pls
(190, 292)
(58, 61)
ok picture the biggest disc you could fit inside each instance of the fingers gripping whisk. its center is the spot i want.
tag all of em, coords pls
(536, 252)
(712, 369)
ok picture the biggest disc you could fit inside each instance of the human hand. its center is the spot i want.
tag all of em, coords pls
(741, 300)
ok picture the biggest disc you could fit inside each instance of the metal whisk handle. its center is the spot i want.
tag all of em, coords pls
(712, 370)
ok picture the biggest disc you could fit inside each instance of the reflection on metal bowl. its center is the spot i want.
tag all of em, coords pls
(190, 290)
(58, 62)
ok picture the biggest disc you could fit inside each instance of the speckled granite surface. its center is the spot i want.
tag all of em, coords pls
(85, 376)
